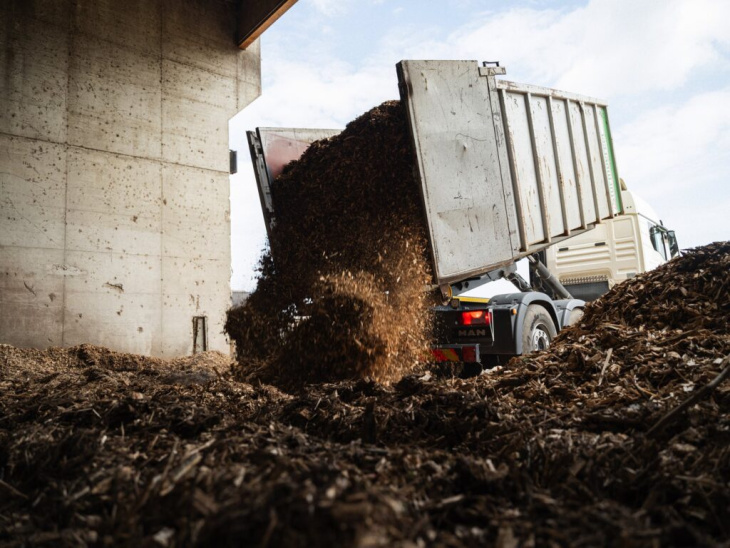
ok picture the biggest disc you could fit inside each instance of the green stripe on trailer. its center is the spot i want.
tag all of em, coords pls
(611, 161)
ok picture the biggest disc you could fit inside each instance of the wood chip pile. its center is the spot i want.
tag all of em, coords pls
(560, 448)
(343, 297)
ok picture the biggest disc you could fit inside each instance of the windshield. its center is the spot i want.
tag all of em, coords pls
(657, 240)
(660, 241)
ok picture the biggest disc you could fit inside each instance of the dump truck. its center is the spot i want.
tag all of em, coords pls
(506, 171)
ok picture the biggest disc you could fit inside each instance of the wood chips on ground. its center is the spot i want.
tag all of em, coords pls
(100, 448)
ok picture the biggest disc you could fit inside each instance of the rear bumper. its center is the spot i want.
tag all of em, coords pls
(466, 353)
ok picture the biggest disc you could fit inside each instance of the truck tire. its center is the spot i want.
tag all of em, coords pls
(538, 329)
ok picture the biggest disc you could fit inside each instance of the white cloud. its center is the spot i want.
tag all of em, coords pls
(322, 95)
(331, 8)
(657, 47)
(677, 156)
(607, 48)
(677, 139)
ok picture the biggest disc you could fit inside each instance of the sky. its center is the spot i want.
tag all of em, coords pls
(663, 66)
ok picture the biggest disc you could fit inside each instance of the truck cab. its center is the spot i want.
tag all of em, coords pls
(590, 264)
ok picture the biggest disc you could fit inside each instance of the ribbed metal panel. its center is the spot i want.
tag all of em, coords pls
(506, 169)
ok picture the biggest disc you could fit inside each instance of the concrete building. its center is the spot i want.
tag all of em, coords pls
(114, 184)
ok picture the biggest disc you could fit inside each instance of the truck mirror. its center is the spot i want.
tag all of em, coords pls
(673, 245)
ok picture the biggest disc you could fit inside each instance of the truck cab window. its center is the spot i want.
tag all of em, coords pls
(673, 245)
(657, 240)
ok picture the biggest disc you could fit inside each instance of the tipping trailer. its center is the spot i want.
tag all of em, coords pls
(506, 170)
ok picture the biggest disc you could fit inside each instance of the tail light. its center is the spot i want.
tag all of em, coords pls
(476, 317)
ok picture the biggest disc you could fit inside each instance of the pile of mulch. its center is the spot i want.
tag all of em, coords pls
(558, 448)
(340, 292)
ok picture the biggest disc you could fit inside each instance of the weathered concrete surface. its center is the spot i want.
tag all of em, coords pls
(196, 98)
(249, 64)
(114, 98)
(33, 179)
(114, 197)
(31, 296)
(33, 72)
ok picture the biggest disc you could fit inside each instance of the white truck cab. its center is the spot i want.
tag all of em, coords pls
(591, 263)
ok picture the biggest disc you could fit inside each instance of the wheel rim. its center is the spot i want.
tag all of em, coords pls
(540, 338)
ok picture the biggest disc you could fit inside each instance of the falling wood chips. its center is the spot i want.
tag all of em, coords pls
(340, 295)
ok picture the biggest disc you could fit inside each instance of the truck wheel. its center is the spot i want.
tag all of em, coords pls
(538, 329)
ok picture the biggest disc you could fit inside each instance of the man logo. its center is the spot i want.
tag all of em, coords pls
(472, 333)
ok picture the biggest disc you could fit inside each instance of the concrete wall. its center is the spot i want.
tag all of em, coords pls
(114, 186)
